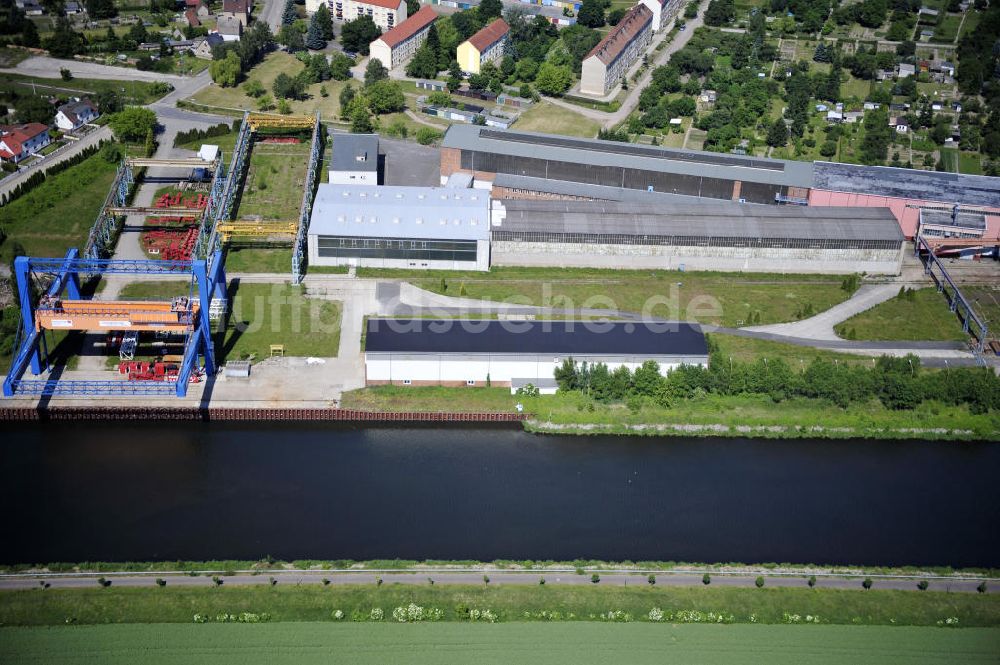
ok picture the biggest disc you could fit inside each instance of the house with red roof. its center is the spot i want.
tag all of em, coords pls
(199, 7)
(236, 10)
(487, 45)
(397, 46)
(386, 14)
(18, 142)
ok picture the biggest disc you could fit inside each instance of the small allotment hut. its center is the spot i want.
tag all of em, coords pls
(453, 352)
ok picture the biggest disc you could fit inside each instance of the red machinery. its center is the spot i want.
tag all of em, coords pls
(142, 370)
(174, 244)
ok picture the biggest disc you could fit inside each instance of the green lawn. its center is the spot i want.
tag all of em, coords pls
(259, 259)
(135, 92)
(159, 290)
(549, 118)
(749, 349)
(505, 644)
(949, 158)
(947, 31)
(275, 181)
(268, 70)
(265, 314)
(970, 162)
(854, 87)
(922, 316)
(708, 297)
(985, 299)
(59, 213)
(314, 602)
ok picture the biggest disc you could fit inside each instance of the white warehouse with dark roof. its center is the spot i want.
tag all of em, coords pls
(400, 227)
(461, 352)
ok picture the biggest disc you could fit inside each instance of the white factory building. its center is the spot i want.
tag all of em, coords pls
(400, 227)
(454, 352)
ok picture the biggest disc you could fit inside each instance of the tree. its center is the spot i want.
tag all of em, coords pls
(720, 12)
(288, 15)
(137, 33)
(100, 9)
(811, 581)
(777, 135)
(226, 72)
(922, 585)
(878, 135)
(29, 35)
(706, 579)
(616, 15)
(133, 123)
(867, 583)
(375, 72)
(828, 149)
(292, 38)
(325, 20)
(591, 14)
(489, 10)
(526, 69)
(287, 87)
(347, 95)
(357, 35)
(361, 121)
(439, 98)
(318, 69)
(314, 36)
(759, 582)
(385, 97)
(553, 80)
(253, 88)
(34, 109)
(454, 76)
(424, 64)
(65, 42)
(340, 67)
(109, 102)
(265, 103)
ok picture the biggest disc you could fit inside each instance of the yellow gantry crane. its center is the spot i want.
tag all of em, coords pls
(273, 121)
(250, 231)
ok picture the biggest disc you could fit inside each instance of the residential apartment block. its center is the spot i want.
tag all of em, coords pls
(487, 45)
(608, 62)
(397, 46)
(664, 11)
(386, 14)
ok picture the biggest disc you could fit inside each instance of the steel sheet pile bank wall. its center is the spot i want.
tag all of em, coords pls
(700, 236)
(465, 352)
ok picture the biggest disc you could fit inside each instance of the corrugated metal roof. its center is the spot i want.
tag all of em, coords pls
(434, 213)
(559, 338)
(629, 155)
(720, 220)
(908, 183)
(348, 148)
(599, 192)
(963, 220)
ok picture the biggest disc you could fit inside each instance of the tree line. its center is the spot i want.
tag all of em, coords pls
(896, 382)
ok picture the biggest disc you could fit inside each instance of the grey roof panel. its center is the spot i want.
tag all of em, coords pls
(560, 338)
(598, 192)
(908, 183)
(729, 220)
(611, 153)
(355, 152)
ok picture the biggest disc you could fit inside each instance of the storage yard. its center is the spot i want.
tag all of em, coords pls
(515, 206)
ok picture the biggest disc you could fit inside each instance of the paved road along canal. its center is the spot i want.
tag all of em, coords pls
(155, 491)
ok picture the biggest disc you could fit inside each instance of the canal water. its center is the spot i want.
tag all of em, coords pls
(162, 491)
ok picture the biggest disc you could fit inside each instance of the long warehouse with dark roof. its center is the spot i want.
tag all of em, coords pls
(698, 236)
(489, 152)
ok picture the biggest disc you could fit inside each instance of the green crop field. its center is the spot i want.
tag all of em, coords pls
(708, 297)
(507, 644)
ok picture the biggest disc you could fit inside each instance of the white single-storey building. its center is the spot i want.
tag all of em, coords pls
(400, 227)
(354, 159)
(455, 352)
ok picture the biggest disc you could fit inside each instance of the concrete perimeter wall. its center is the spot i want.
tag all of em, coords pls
(729, 259)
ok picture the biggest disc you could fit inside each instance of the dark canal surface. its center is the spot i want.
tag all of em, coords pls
(114, 492)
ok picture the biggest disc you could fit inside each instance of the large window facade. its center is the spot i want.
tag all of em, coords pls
(411, 249)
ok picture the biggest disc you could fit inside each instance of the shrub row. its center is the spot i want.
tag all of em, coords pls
(37, 178)
(221, 129)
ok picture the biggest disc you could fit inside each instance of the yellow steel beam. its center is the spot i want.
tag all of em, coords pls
(252, 229)
(258, 120)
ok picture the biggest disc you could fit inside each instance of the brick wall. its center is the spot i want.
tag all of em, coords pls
(451, 161)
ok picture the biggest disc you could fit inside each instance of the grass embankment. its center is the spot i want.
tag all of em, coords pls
(446, 644)
(175, 604)
(919, 315)
(712, 415)
(730, 299)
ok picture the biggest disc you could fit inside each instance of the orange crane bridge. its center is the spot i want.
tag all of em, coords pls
(176, 315)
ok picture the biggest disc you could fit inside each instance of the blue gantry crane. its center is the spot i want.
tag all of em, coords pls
(62, 307)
